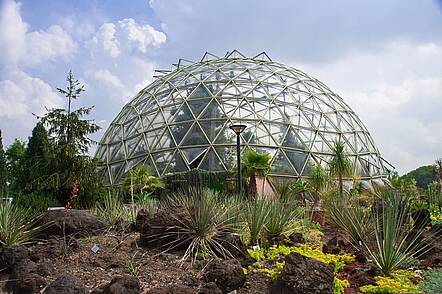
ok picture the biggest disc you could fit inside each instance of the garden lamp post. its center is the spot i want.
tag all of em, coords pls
(238, 129)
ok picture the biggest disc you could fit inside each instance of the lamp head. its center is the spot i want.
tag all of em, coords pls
(238, 129)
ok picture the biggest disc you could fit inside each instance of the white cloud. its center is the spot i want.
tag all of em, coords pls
(397, 92)
(20, 96)
(126, 35)
(20, 47)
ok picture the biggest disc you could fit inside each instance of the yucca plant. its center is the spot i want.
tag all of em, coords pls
(207, 220)
(282, 219)
(17, 225)
(395, 243)
(255, 215)
(353, 219)
(111, 208)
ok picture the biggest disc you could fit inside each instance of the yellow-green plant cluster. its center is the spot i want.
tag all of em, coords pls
(398, 282)
(268, 261)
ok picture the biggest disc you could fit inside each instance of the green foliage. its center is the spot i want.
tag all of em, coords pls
(395, 244)
(35, 202)
(351, 217)
(318, 181)
(338, 260)
(140, 180)
(340, 165)
(340, 285)
(208, 221)
(111, 208)
(281, 219)
(433, 281)
(398, 282)
(423, 176)
(68, 134)
(17, 225)
(255, 215)
(36, 158)
(254, 164)
(14, 158)
(3, 169)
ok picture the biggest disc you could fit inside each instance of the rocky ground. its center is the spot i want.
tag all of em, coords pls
(81, 254)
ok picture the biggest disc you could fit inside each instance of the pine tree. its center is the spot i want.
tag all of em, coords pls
(3, 171)
(14, 161)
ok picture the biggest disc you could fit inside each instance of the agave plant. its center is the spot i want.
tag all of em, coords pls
(111, 208)
(17, 225)
(255, 216)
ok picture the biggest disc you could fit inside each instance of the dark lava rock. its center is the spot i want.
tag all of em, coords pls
(228, 275)
(123, 285)
(209, 288)
(11, 256)
(306, 275)
(163, 224)
(232, 243)
(71, 221)
(421, 218)
(53, 248)
(27, 277)
(66, 284)
(296, 238)
(142, 218)
(173, 289)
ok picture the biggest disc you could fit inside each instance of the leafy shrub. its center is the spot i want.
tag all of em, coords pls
(36, 202)
(433, 281)
(17, 225)
(398, 282)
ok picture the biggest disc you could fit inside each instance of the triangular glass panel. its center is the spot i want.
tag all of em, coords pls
(211, 162)
(212, 128)
(132, 163)
(194, 137)
(116, 171)
(177, 164)
(262, 57)
(179, 130)
(281, 165)
(152, 137)
(184, 114)
(192, 153)
(297, 159)
(164, 141)
(212, 110)
(131, 145)
(116, 152)
(149, 163)
(161, 160)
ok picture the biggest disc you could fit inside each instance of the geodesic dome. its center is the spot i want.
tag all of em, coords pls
(181, 121)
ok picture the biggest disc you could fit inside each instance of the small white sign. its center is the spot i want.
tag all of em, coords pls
(56, 208)
(95, 248)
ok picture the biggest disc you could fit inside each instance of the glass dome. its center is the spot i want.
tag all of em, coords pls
(181, 121)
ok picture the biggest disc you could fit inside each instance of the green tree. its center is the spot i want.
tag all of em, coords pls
(318, 180)
(3, 170)
(438, 172)
(340, 165)
(423, 175)
(69, 134)
(254, 164)
(36, 157)
(14, 160)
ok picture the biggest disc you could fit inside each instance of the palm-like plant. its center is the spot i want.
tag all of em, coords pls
(300, 187)
(254, 164)
(340, 165)
(140, 180)
(318, 180)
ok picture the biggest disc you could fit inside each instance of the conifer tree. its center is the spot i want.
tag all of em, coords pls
(3, 171)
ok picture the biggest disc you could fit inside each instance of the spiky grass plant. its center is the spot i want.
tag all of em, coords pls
(255, 216)
(282, 218)
(353, 219)
(18, 226)
(111, 208)
(395, 242)
(207, 219)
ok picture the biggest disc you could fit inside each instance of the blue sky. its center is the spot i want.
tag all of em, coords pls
(384, 57)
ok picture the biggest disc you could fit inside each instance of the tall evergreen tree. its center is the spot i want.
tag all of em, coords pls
(69, 134)
(36, 157)
(3, 170)
(14, 160)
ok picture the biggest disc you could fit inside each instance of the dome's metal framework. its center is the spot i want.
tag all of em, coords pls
(181, 121)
